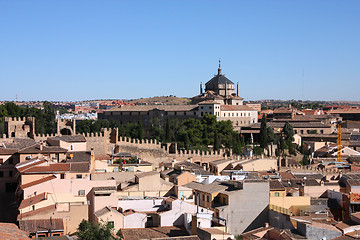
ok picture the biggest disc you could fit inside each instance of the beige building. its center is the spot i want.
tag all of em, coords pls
(147, 184)
(219, 99)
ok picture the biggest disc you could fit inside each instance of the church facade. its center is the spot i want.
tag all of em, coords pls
(218, 98)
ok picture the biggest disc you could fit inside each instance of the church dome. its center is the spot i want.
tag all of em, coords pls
(219, 81)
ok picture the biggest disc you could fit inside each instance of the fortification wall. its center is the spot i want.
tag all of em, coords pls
(328, 172)
(98, 142)
(19, 127)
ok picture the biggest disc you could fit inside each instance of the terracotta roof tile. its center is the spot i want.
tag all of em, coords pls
(9, 231)
(7, 151)
(52, 168)
(51, 208)
(33, 200)
(37, 225)
(236, 108)
(36, 182)
(69, 138)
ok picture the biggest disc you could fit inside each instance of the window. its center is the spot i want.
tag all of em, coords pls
(201, 107)
(1, 174)
(302, 131)
(295, 131)
(33, 207)
(78, 176)
(1, 160)
(62, 176)
(208, 198)
(81, 192)
(210, 107)
(202, 114)
(184, 113)
(175, 113)
(10, 173)
(203, 197)
(276, 194)
(10, 160)
(322, 131)
(111, 224)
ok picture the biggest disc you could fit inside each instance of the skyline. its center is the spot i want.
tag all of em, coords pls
(86, 50)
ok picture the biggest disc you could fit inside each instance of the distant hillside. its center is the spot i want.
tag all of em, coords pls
(167, 100)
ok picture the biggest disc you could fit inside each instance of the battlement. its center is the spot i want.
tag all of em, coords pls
(44, 136)
(65, 120)
(19, 119)
(94, 135)
(301, 168)
(198, 153)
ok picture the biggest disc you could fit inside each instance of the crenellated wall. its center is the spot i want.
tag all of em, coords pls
(20, 127)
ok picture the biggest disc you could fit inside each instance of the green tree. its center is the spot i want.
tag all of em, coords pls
(49, 117)
(263, 136)
(271, 135)
(89, 231)
(167, 131)
(216, 142)
(288, 134)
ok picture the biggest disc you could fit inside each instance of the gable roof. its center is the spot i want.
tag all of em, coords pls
(41, 225)
(276, 185)
(69, 138)
(46, 149)
(104, 210)
(33, 200)
(36, 182)
(52, 168)
(236, 108)
(47, 209)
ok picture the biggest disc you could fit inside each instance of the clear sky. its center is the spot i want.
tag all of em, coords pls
(101, 49)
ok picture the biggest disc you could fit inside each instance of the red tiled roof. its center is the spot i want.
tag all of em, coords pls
(33, 200)
(236, 108)
(46, 149)
(23, 166)
(286, 175)
(36, 182)
(9, 231)
(50, 208)
(8, 151)
(57, 167)
(40, 225)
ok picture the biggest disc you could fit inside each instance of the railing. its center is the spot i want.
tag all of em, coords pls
(279, 209)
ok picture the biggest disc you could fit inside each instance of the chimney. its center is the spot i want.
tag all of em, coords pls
(201, 88)
(266, 224)
(41, 145)
(237, 89)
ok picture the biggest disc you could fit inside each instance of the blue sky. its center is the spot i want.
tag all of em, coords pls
(87, 49)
